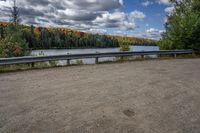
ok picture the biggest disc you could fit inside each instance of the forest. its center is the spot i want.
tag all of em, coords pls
(45, 38)
(30, 37)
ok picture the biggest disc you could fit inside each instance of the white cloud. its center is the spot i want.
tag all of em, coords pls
(153, 33)
(110, 17)
(169, 10)
(124, 21)
(150, 2)
(137, 14)
(150, 33)
(147, 3)
(121, 2)
(165, 20)
(95, 31)
(165, 2)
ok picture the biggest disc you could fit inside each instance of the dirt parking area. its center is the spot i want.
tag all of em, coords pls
(133, 97)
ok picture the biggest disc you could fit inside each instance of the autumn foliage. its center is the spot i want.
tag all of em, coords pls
(12, 43)
(46, 38)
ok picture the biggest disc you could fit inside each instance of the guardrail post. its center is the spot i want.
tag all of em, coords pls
(175, 55)
(68, 61)
(96, 60)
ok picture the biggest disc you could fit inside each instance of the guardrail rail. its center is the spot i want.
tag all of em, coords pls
(68, 57)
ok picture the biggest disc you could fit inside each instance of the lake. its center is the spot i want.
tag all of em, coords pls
(93, 50)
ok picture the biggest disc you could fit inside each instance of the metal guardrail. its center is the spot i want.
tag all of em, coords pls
(68, 57)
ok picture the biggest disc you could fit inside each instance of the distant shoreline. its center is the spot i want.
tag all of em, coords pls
(95, 48)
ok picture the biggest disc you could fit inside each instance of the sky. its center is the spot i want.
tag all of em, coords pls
(139, 18)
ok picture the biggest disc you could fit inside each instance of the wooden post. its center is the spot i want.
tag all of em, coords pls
(68, 61)
(96, 60)
(142, 56)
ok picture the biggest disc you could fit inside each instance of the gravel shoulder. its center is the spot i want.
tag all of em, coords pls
(160, 96)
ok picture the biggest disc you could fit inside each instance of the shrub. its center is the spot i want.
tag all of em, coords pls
(124, 46)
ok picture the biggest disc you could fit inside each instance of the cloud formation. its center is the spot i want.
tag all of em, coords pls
(87, 15)
(147, 3)
(151, 2)
(153, 33)
(166, 2)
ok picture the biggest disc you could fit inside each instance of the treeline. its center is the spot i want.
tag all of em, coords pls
(47, 38)
(183, 26)
(137, 41)
(43, 38)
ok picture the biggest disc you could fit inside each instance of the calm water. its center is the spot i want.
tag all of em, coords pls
(83, 51)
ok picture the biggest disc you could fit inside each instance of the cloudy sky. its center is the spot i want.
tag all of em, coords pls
(140, 18)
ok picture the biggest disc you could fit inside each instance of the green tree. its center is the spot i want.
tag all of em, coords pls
(13, 45)
(183, 26)
(29, 36)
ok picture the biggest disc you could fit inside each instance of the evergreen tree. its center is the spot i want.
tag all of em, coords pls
(2, 32)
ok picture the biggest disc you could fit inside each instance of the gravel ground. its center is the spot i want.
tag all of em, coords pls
(133, 97)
